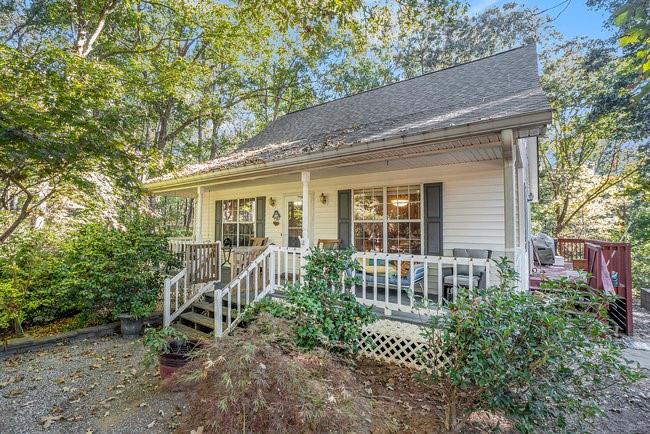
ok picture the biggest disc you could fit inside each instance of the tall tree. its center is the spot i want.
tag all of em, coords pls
(592, 147)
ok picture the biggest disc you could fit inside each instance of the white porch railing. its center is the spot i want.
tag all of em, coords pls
(416, 283)
(394, 282)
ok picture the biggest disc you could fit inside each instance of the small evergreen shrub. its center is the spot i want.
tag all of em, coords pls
(324, 313)
(540, 359)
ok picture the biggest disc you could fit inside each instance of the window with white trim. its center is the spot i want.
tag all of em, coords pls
(238, 221)
(388, 219)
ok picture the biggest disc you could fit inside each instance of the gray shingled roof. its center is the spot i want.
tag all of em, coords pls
(502, 85)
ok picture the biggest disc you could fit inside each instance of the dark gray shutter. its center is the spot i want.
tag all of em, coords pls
(218, 214)
(260, 216)
(433, 219)
(345, 217)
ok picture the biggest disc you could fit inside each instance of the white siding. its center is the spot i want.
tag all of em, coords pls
(473, 215)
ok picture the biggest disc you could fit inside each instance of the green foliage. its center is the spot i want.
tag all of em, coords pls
(11, 302)
(33, 267)
(94, 271)
(118, 271)
(542, 359)
(324, 313)
(157, 342)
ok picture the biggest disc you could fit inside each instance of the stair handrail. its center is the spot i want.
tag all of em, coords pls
(170, 282)
(220, 294)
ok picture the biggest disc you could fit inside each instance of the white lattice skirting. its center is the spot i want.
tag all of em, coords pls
(400, 343)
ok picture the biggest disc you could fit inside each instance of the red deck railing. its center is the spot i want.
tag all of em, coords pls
(593, 256)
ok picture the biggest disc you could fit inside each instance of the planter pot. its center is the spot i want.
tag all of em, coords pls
(178, 357)
(130, 326)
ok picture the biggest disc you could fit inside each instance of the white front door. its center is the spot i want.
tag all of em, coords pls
(293, 223)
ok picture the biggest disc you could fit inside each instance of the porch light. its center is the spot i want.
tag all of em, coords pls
(399, 202)
(323, 198)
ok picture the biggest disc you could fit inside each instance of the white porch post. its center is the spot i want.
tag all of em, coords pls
(198, 215)
(305, 177)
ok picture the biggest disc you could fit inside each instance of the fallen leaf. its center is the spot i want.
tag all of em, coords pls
(151, 424)
(47, 421)
(60, 380)
(107, 413)
(95, 366)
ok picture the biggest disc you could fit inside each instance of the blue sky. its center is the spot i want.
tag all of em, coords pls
(575, 20)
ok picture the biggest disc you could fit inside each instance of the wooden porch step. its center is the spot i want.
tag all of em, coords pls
(190, 332)
(199, 319)
(204, 305)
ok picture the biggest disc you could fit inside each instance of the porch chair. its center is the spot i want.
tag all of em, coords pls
(259, 241)
(478, 272)
(328, 244)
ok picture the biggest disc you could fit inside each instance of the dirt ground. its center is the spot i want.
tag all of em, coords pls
(99, 386)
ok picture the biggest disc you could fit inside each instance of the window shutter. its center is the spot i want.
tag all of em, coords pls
(433, 219)
(345, 217)
(260, 216)
(218, 215)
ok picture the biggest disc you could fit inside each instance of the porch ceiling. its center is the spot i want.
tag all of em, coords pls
(467, 150)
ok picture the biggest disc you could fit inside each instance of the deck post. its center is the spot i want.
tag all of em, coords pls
(167, 301)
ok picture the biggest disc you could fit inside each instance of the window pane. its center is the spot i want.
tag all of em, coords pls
(246, 232)
(403, 202)
(246, 210)
(230, 232)
(369, 204)
(414, 202)
(368, 237)
(229, 210)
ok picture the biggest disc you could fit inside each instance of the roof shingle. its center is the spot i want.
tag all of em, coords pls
(502, 85)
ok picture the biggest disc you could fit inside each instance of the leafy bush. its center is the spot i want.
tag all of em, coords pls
(11, 312)
(118, 271)
(538, 358)
(32, 269)
(324, 313)
(94, 271)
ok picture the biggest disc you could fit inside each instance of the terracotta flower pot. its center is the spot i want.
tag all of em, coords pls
(178, 357)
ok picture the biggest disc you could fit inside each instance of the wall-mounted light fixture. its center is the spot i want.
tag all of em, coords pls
(323, 198)
(272, 202)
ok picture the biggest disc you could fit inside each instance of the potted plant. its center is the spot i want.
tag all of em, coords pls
(171, 347)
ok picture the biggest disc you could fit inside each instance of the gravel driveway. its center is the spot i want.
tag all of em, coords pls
(90, 386)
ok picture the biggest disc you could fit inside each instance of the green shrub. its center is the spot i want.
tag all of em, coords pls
(118, 271)
(324, 314)
(540, 359)
(33, 264)
(11, 301)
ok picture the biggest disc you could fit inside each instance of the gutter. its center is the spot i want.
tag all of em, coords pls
(540, 118)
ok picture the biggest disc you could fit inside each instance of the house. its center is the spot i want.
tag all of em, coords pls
(425, 178)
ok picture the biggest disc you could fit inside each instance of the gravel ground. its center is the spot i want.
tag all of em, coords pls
(99, 386)
(90, 386)
(627, 409)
